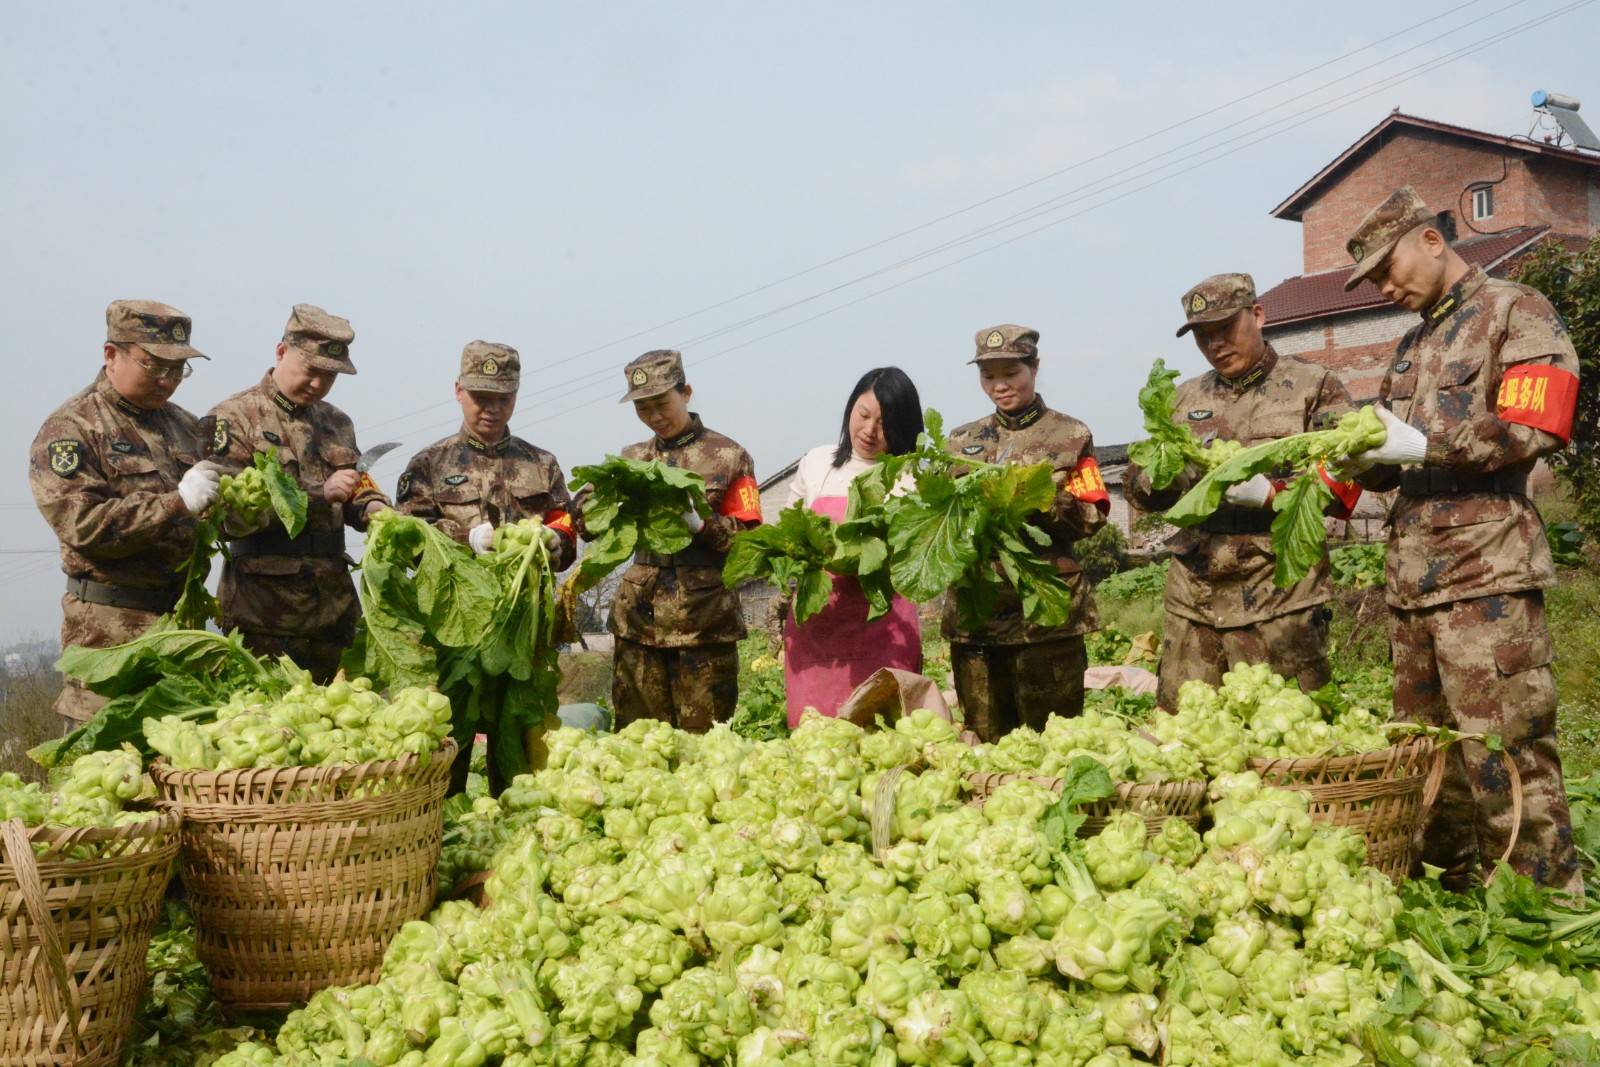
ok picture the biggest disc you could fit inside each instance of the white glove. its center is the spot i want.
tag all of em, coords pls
(1404, 443)
(692, 519)
(198, 487)
(481, 537)
(1256, 492)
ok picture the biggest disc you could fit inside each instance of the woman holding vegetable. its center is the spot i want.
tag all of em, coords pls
(828, 655)
(1010, 672)
(677, 628)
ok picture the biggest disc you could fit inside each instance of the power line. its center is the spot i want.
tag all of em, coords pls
(860, 250)
(1383, 85)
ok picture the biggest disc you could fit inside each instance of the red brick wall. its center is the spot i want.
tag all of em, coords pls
(1440, 166)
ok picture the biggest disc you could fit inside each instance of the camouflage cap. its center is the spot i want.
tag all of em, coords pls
(324, 339)
(652, 374)
(161, 330)
(490, 368)
(1382, 229)
(1006, 342)
(1219, 297)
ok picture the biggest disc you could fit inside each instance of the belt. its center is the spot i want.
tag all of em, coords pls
(155, 601)
(1239, 520)
(692, 556)
(279, 543)
(1425, 482)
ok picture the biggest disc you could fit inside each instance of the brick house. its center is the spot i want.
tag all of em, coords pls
(1502, 196)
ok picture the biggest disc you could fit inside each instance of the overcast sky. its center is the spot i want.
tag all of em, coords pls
(588, 181)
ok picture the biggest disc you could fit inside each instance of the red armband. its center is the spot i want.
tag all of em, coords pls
(559, 521)
(1541, 396)
(366, 487)
(742, 501)
(1345, 494)
(1086, 484)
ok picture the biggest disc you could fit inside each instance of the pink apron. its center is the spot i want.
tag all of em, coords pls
(837, 649)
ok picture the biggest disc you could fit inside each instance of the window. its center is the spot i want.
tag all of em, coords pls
(1483, 202)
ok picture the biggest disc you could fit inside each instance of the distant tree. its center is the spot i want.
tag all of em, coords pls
(1572, 282)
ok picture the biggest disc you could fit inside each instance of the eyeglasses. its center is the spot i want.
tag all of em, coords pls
(164, 372)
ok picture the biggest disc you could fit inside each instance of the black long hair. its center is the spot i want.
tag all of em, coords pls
(897, 399)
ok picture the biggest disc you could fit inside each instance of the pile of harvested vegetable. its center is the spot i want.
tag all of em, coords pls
(670, 899)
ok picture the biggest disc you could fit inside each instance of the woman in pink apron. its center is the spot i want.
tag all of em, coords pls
(831, 653)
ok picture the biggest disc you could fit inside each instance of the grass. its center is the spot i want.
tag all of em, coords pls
(27, 717)
(1573, 607)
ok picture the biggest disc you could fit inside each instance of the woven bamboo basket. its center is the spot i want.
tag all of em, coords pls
(73, 935)
(1382, 795)
(299, 876)
(1156, 801)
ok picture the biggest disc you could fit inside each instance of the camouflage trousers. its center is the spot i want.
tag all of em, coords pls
(1294, 645)
(93, 626)
(1483, 666)
(1002, 687)
(319, 655)
(691, 688)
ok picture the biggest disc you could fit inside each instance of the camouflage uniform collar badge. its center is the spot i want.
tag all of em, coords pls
(1447, 304)
(128, 407)
(288, 406)
(1024, 418)
(687, 437)
(477, 444)
(1253, 375)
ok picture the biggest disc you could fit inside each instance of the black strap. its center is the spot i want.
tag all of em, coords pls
(693, 556)
(155, 601)
(1238, 520)
(1425, 481)
(278, 543)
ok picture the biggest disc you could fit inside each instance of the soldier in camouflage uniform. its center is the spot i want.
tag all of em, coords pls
(1010, 672)
(480, 477)
(287, 596)
(1221, 605)
(117, 472)
(1479, 389)
(676, 625)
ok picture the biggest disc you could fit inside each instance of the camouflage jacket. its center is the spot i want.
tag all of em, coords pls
(679, 601)
(306, 592)
(104, 474)
(1219, 576)
(1040, 435)
(1491, 377)
(460, 482)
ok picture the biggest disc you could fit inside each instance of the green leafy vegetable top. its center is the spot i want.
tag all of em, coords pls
(633, 504)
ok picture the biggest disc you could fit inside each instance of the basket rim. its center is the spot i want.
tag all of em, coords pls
(169, 817)
(299, 776)
(1418, 746)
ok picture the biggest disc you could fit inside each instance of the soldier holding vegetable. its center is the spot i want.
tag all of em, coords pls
(117, 471)
(1011, 672)
(1221, 604)
(294, 596)
(1479, 389)
(483, 476)
(676, 625)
